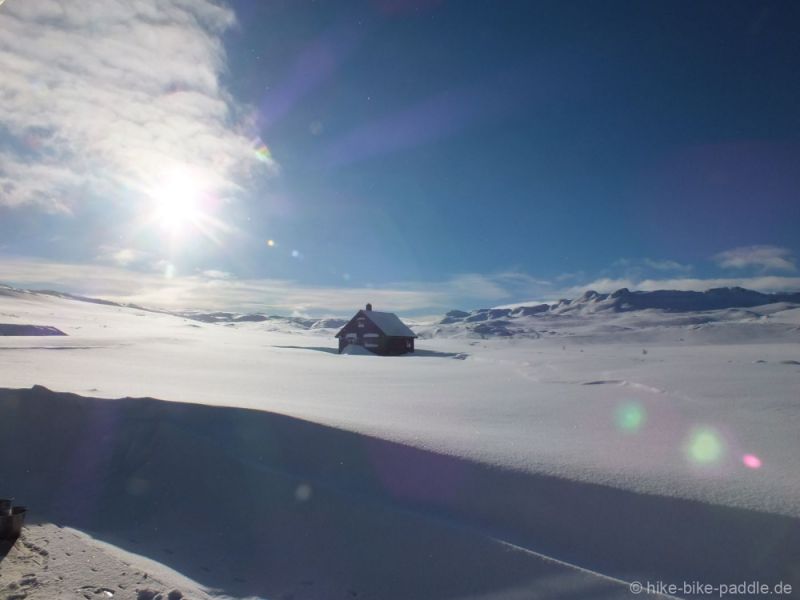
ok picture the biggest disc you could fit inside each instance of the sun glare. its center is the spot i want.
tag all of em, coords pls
(183, 203)
(178, 203)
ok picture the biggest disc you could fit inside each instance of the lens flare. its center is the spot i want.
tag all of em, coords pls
(271, 243)
(704, 446)
(303, 492)
(630, 417)
(263, 154)
(751, 461)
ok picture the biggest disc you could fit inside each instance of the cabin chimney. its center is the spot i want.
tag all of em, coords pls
(369, 306)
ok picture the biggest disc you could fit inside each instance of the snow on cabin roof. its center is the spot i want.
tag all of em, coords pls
(389, 323)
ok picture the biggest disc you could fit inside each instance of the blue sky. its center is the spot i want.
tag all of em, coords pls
(305, 157)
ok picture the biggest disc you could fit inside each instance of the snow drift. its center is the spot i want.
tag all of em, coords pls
(251, 502)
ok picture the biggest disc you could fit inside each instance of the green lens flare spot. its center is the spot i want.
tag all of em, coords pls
(704, 446)
(630, 417)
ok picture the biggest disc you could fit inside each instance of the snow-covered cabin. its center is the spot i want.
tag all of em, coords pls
(380, 332)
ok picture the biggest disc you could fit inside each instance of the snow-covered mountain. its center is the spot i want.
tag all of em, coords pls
(669, 300)
(622, 310)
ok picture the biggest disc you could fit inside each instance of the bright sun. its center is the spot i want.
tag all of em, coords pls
(178, 203)
(183, 203)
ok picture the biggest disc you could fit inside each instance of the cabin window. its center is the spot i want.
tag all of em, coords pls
(371, 335)
(361, 322)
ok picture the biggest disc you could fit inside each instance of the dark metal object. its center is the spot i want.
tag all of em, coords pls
(11, 521)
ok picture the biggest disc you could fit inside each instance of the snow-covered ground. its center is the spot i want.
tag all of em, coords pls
(50, 561)
(556, 453)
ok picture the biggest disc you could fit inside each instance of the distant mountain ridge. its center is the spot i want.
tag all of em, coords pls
(526, 320)
(625, 300)
(531, 320)
(681, 300)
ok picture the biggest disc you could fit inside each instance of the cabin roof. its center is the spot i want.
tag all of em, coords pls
(389, 323)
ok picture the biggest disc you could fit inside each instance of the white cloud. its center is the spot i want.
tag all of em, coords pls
(216, 274)
(124, 257)
(472, 284)
(216, 290)
(103, 96)
(574, 276)
(163, 287)
(639, 264)
(766, 258)
(666, 265)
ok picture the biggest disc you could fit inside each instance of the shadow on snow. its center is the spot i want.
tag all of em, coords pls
(251, 503)
(417, 353)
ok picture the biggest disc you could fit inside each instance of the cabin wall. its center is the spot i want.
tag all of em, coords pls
(353, 327)
(358, 332)
(387, 346)
(398, 345)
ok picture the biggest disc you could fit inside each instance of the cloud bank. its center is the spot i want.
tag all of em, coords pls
(101, 97)
(766, 258)
(218, 290)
